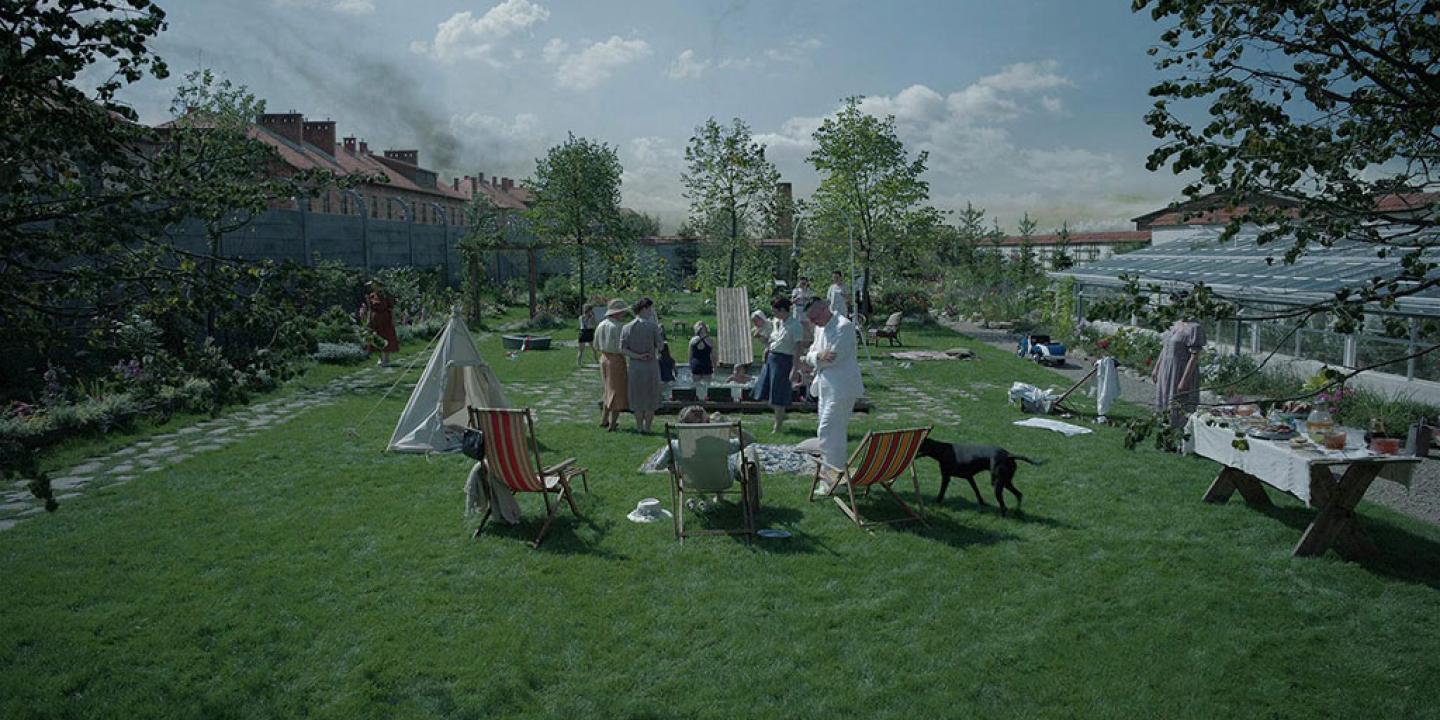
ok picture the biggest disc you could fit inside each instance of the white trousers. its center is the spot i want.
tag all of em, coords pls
(835, 412)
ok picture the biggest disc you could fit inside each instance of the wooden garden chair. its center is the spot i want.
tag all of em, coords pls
(891, 330)
(880, 460)
(700, 464)
(513, 455)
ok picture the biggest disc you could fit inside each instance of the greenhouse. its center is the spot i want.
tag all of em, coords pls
(1257, 280)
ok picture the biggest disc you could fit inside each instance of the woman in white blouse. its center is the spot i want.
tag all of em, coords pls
(773, 384)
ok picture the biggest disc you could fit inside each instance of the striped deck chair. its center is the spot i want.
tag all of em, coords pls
(701, 464)
(880, 460)
(513, 456)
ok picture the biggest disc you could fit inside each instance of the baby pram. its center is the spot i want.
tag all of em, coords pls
(1040, 349)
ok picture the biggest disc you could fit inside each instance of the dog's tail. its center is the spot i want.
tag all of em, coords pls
(1036, 463)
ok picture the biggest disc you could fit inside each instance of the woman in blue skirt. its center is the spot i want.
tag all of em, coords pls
(774, 382)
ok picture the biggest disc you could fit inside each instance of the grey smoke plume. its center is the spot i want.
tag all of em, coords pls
(325, 69)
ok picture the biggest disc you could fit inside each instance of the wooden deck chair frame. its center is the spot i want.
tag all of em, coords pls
(890, 331)
(869, 466)
(533, 479)
(747, 490)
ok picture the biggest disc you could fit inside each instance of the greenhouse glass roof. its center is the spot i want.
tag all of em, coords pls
(1242, 270)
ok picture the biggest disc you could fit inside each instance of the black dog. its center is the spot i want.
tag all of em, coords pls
(967, 461)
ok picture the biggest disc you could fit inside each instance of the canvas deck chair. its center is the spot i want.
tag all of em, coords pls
(513, 456)
(880, 460)
(700, 465)
(890, 331)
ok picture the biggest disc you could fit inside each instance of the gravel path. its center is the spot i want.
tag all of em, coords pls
(1421, 500)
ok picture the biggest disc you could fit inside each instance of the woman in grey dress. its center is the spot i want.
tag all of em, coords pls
(640, 341)
(1177, 370)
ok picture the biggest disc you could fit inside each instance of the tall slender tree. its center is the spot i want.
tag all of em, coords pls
(729, 182)
(868, 184)
(577, 197)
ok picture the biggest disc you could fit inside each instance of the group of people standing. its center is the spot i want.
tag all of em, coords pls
(630, 363)
(811, 345)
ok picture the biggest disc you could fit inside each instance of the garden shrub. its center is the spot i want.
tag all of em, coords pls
(910, 299)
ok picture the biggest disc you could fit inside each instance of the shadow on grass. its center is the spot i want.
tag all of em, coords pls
(1017, 514)
(1403, 555)
(562, 538)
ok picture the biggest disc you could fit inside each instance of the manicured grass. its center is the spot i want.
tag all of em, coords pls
(303, 572)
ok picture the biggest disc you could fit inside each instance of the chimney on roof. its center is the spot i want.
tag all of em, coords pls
(784, 196)
(474, 188)
(364, 148)
(455, 183)
(495, 182)
(507, 184)
(480, 177)
(350, 145)
(321, 134)
(286, 125)
(411, 157)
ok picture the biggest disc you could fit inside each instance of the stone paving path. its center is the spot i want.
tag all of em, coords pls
(158, 452)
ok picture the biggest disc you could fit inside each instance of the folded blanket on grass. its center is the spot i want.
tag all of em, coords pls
(780, 459)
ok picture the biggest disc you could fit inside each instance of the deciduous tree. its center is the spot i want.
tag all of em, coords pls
(577, 197)
(730, 184)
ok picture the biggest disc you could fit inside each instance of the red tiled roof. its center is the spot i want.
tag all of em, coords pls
(1211, 210)
(1116, 237)
(1407, 202)
(391, 173)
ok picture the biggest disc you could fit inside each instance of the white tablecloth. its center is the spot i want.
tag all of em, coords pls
(1278, 464)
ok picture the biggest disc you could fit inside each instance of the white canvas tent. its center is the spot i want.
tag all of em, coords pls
(455, 377)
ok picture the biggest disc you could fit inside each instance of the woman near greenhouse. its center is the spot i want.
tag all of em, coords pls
(1177, 370)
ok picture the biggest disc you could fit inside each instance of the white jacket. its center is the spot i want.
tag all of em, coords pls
(839, 377)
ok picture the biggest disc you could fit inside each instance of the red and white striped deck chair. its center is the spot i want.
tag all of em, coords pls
(880, 460)
(513, 456)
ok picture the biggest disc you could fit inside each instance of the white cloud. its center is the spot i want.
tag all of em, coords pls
(686, 66)
(977, 155)
(1025, 77)
(504, 145)
(354, 7)
(595, 64)
(651, 178)
(795, 51)
(554, 50)
(466, 37)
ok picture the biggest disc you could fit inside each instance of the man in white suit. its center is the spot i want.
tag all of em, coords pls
(837, 382)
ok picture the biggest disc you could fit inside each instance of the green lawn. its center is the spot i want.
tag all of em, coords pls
(305, 573)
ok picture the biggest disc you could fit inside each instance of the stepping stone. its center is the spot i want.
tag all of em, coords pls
(182, 457)
(156, 468)
(69, 483)
(67, 496)
(187, 431)
(119, 479)
(123, 468)
(208, 447)
(31, 511)
(14, 506)
(7, 524)
(87, 468)
(123, 452)
(219, 431)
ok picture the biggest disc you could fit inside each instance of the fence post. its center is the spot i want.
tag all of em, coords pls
(1351, 346)
(1255, 338)
(1411, 348)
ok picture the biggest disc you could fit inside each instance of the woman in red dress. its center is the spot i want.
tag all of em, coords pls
(381, 320)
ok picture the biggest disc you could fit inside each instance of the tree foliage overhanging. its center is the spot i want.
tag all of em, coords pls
(1331, 105)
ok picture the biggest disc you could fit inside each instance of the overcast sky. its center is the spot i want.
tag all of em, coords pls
(1026, 105)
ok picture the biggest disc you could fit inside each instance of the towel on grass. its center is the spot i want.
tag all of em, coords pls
(1063, 428)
